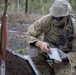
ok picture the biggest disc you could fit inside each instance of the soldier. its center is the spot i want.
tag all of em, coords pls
(59, 31)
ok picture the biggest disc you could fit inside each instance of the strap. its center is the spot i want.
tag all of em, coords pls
(70, 34)
(70, 18)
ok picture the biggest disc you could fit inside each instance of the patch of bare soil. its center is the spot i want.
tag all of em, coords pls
(15, 42)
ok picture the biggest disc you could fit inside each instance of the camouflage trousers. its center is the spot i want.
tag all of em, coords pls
(65, 68)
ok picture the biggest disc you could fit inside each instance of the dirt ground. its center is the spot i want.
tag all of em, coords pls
(15, 42)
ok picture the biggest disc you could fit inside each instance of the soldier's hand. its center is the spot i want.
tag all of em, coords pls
(43, 46)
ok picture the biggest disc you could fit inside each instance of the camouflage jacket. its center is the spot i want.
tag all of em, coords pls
(45, 24)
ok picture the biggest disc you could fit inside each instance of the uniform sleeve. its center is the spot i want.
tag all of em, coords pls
(36, 29)
(33, 32)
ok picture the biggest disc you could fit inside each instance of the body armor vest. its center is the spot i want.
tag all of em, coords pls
(60, 34)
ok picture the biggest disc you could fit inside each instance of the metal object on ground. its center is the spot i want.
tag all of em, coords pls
(17, 64)
(2, 67)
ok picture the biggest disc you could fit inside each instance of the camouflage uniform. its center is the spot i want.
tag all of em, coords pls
(51, 31)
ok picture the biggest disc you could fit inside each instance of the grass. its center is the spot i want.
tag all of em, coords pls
(20, 51)
(20, 16)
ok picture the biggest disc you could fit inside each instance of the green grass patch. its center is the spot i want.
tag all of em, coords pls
(20, 51)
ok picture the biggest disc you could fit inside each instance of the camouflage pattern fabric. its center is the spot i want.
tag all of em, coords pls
(72, 61)
(65, 68)
(45, 25)
(62, 68)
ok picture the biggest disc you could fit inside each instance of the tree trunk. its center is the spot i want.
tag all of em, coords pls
(26, 6)
(18, 5)
(42, 8)
(12, 6)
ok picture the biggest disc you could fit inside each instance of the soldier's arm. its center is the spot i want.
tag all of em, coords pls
(35, 30)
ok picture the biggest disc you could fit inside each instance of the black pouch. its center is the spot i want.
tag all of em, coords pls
(62, 39)
(65, 60)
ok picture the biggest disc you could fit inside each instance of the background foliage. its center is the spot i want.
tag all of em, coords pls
(33, 6)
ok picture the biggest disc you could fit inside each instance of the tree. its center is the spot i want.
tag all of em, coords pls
(12, 5)
(18, 5)
(26, 6)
